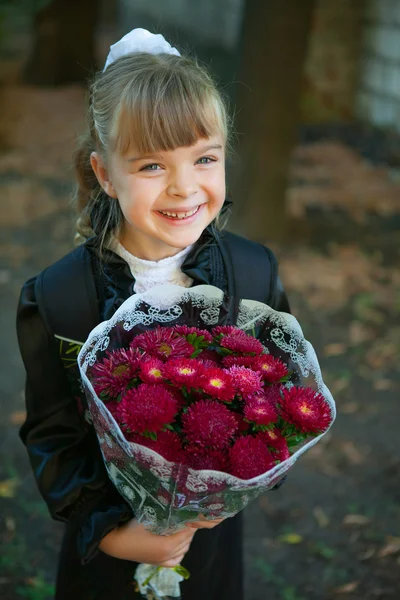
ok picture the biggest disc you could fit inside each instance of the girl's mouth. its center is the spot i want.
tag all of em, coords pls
(180, 216)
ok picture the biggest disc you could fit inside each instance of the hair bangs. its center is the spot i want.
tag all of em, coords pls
(164, 115)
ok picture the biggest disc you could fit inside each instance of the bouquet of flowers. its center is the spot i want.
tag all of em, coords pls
(196, 416)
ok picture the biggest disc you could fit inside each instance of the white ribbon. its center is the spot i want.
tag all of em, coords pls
(162, 581)
(139, 40)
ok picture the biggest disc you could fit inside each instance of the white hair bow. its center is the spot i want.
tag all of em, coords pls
(139, 40)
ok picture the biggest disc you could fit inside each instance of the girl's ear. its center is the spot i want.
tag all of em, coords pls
(102, 174)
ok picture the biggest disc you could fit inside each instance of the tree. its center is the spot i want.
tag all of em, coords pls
(63, 48)
(274, 44)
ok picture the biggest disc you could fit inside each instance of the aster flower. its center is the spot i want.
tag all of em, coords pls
(162, 343)
(209, 424)
(276, 443)
(272, 369)
(305, 409)
(238, 361)
(250, 457)
(246, 381)
(260, 410)
(147, 408)
(151, 370)
(242, 343)
(168, 444)
(206, 458)
(184, 371)
(226, 330)
(243, 425)
(209, 356)
(112, 376)
(185, 331)
(218, 383)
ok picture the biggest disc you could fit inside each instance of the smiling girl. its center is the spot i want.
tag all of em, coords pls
(151, 175)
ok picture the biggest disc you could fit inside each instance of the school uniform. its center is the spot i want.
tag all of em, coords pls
(63, 447)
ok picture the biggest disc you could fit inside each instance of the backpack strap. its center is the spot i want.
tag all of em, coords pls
(251, 268)
(61, 289)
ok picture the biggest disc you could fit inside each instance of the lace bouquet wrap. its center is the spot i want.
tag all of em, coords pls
(259, 423)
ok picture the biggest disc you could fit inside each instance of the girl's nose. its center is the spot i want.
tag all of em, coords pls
(182, 184)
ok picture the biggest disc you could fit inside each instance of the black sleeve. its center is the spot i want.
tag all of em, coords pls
(64, 453)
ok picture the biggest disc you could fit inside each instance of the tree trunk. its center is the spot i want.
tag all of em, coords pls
(274, 45)
(64, 43)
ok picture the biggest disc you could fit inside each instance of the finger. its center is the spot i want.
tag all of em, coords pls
(173, 562)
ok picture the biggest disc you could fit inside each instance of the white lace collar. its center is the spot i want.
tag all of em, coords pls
(149, 273)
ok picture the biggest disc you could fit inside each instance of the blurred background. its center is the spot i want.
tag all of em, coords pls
(315, 90)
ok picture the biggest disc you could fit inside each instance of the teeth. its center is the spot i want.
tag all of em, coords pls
(180, 215)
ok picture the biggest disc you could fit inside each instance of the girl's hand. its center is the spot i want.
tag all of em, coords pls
(204, 524)
(133, 542)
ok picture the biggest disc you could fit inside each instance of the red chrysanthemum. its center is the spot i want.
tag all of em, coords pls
(206, 458)
(162, 343)
(242, 343)
(238, 361)
(185, 331)
(218, 383)
(306, 409)
(151, 370)
(276, 443)
(148, 408)
(260, 410)
(168, 444)
(209, 424)
(246, 381)
(271, 369)
(250, 457)
(184, 371)
(112, 376)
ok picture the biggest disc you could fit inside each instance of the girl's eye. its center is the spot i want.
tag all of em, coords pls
(152, 167)
(205, 160)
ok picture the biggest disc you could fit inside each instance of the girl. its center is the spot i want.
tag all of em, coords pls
(151, 190)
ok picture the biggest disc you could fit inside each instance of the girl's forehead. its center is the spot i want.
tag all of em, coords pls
(214, 143)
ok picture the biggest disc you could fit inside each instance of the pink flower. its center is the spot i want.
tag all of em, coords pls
(246, 381)
(260, 410)
(271, 369)
(218, 384)
(206, 458)
(168, 444)
(250, 457)
(306, 409)
(185, 331)
(184, 371)
(151, 370)
(242, 343)
(209, 424)
(162, 343)
(113, 375)
(148, 408)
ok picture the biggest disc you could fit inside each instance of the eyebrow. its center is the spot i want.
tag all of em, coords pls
(158, 155)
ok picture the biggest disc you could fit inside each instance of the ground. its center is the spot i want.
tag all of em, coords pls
(333, 530)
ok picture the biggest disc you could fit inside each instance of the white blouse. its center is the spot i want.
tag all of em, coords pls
(149, 273)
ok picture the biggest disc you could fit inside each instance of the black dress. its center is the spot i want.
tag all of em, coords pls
(67, 463)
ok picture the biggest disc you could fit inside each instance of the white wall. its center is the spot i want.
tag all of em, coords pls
(378, 99)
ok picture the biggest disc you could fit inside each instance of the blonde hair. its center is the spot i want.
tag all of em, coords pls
(149, 102)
